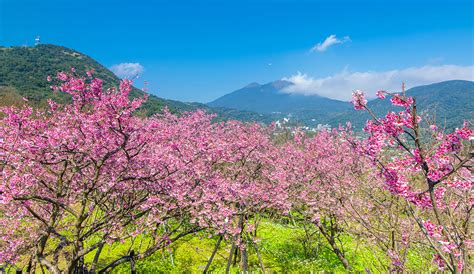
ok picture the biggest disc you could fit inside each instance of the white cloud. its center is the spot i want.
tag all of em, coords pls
(127, 70)
(330, 41)
(340, 86)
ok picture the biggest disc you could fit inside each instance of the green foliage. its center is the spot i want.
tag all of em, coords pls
(448, 103)
(282, 250)
(25, 69)
(23, 72)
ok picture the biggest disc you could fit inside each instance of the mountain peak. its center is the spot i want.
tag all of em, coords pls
(269, 99)
(280, 84)
(253, 85)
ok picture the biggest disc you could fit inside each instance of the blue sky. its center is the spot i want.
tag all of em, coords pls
(199, 50)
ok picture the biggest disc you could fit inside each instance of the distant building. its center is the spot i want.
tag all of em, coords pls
(320, 127)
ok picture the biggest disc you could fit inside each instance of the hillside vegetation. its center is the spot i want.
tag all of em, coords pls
(449, 103)
(270, 98)
(24, 70)
(89, 185)
(23, 73)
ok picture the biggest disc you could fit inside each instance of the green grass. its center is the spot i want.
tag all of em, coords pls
(282, 250)
(281, 245)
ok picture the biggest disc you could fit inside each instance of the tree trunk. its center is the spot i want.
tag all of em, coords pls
(96, 258)
(229, 262)
(334, 247)
(258, 255)
(213, 254)
(132, 262)
(245, 259)
(244, 264)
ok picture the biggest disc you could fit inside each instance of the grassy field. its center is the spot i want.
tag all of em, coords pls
(282, 250)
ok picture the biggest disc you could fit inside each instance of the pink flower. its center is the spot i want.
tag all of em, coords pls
(404, 238)
(464, 133)
(399, 100)
(380, 94)
(447, 247)
(460, 265)
(395, 259)
(432, 229)
(62, 76)
(358, 100)
(417, 156)
(439, 261)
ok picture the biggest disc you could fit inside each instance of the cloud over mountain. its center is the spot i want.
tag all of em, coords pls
(127, 70)
(341, 85)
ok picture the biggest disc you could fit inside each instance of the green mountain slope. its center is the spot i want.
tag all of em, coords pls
(270, 98)
(23, 72)
(449, 103)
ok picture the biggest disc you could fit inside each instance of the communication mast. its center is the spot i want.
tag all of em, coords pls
(37, 40)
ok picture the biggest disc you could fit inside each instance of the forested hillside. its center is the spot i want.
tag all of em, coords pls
(23, 73)
(449, 103)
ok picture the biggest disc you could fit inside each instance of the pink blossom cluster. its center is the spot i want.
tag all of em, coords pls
(380, 94)
(432, 174)
(95, 168)
(358, 100)
(65, 164)
(403, 101)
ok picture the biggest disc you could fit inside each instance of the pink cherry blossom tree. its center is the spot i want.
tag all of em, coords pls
(376, 218)
(430, 170)
(244, 185)
(322, 174)
(79, 176)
